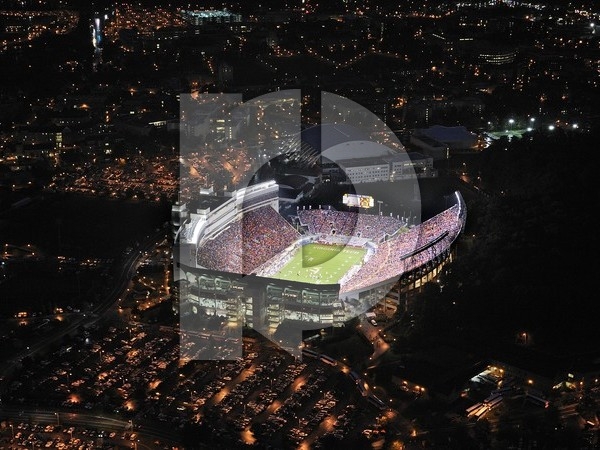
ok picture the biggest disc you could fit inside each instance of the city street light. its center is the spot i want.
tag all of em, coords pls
(57, 418)
(551, 127)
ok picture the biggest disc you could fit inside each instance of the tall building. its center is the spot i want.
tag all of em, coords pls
(205, 17)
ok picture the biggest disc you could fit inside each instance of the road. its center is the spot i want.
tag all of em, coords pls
(146, 430)
(126, 272)
(151, 431)
(372, 333)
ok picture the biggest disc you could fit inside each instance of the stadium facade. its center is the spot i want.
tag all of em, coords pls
(232, 251)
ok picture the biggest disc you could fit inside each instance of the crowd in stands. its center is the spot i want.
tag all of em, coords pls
(330, 221)
(347, 241)
(408, 251)
(248, 242)
(275, 264)
(256, 242)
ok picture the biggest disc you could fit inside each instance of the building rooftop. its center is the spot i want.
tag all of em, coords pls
(429, 141)
(329, 135)
(448, 135)
(365, 150)
(415, 156)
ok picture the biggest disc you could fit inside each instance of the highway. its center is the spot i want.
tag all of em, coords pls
(146, 430)
(126, 272)
(372, 333)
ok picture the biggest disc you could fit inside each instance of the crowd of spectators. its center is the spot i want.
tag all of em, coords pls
(344, 223)
(274, 265)
(409, 250)
(248, 242)
(256, 242)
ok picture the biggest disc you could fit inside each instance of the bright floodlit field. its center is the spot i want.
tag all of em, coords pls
(321, 264)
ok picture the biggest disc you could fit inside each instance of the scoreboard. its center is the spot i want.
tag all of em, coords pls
(358, 201)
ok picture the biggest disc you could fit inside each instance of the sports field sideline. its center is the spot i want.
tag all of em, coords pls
(321, 264)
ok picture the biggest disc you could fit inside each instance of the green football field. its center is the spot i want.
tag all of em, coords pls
(320, 264)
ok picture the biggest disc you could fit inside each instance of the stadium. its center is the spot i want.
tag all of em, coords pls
(239, 257)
